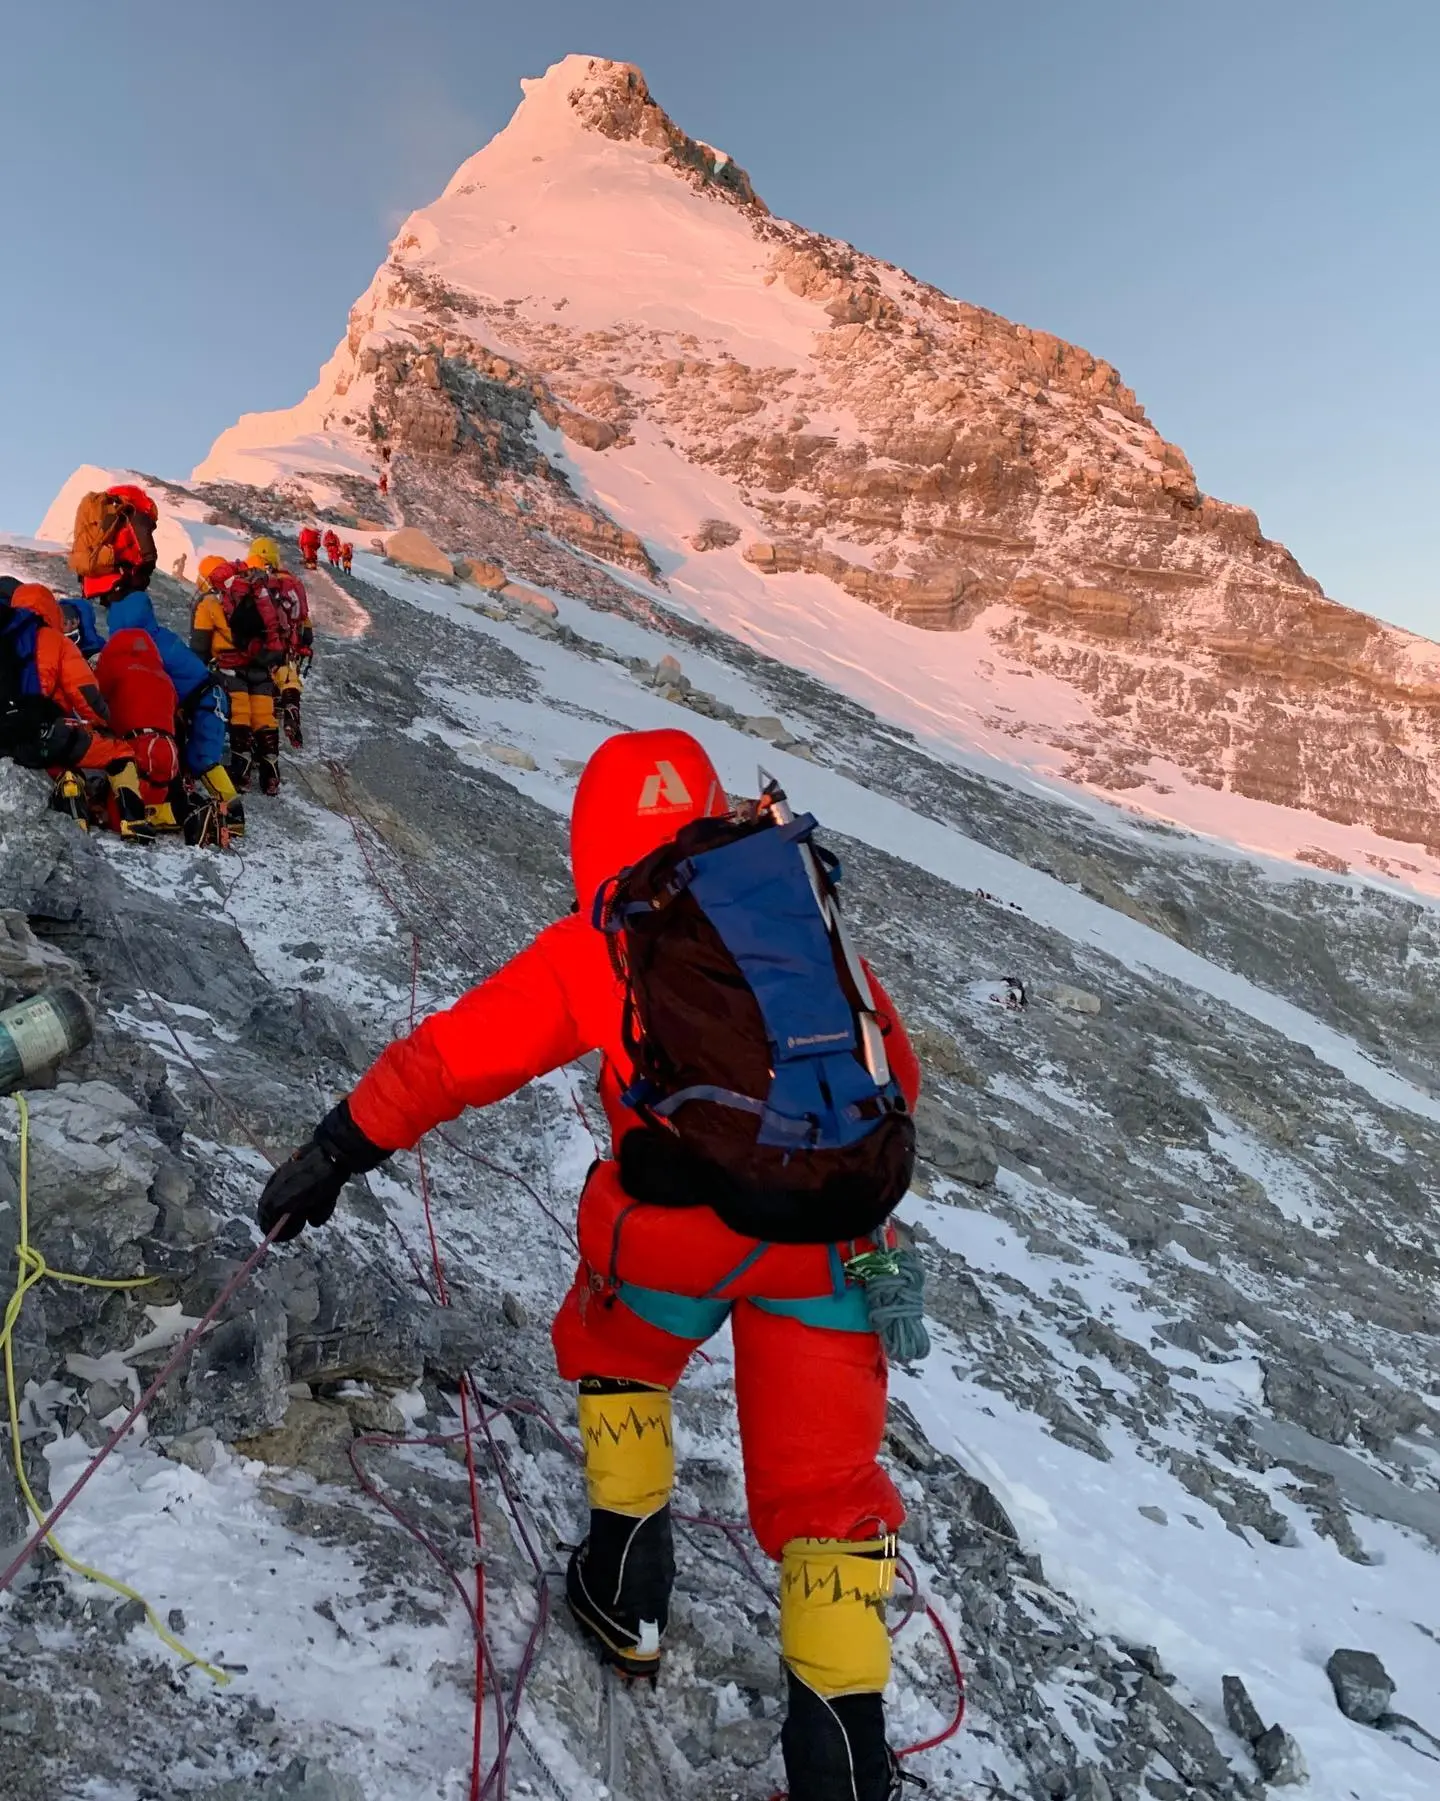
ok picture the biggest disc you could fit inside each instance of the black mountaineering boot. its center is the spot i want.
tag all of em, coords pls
(290, 717)
(618, 1587)
(133, 824)
(835, 1748)
(267, 759)
(242, 755)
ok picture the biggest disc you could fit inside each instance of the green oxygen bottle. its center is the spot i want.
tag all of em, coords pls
(38, 1033)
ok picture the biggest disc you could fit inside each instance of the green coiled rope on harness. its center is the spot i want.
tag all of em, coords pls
(894, 1284)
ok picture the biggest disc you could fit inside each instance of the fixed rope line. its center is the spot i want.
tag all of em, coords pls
(442, 1295)
(507, 1713)
(32, 1269)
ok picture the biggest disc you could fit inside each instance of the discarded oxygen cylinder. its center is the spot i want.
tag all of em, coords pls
(38, 1033)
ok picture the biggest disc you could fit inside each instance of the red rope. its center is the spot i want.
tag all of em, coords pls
(442, 1294)
(512, 1175)
(957, 1720)
(507, 1716)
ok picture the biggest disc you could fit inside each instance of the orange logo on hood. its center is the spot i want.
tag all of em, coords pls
(664, 791)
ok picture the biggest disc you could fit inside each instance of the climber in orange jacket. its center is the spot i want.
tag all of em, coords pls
(654, 1281)
(65, 677)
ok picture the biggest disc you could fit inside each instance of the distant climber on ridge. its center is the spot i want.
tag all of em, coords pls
(113, 552)
(142, 705)
(745, 1185)
(347, 555)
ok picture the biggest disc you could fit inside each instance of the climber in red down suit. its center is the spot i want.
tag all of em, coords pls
(142, 703)
(654, 1282)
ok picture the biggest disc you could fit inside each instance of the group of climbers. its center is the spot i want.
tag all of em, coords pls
(139, 729)
(252, 624)
(69, 725)
(759, 1087)
(340, 553)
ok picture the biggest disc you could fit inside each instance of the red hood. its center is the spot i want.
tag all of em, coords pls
(128, 648)
(636, 792)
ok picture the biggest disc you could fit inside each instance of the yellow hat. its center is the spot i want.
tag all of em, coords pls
(264, 554)
(208, 566)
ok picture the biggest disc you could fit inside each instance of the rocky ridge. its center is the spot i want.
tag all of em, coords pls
(929, 458)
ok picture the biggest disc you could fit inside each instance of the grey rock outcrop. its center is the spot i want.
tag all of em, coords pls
(1362, 1685)
(955, 1144)
(1279, 1758)
(1241, 1714)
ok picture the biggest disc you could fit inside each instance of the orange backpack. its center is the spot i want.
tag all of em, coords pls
(100, 522)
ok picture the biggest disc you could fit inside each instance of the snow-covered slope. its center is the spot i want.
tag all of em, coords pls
(1182, 1412)
(599, 338)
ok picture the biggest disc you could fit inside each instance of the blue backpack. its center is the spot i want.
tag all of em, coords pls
(759, 1064)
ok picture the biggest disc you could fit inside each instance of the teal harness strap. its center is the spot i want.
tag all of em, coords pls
(748, 1261)
(844, 1309)
(685, 1316)
(848, 1312)
(681, 1315)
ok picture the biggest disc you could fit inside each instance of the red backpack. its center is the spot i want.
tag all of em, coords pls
(256, 628)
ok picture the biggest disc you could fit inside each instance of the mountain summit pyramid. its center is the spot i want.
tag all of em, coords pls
(599, 351)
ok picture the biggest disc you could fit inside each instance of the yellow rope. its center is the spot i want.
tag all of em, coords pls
(31, 1268)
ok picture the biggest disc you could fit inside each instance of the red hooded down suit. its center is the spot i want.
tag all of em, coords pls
(142, 703)
(811, 1395)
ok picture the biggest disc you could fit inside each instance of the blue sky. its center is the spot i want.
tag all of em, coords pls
(1235, 203)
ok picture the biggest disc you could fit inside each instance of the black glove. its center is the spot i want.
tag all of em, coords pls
(303, 1192)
